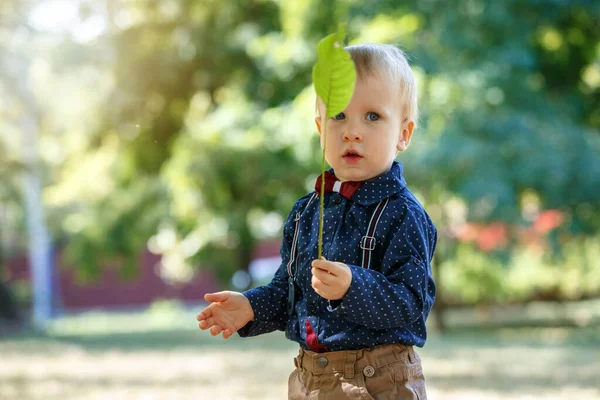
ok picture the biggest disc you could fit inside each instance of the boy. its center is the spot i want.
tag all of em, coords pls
(357, 317)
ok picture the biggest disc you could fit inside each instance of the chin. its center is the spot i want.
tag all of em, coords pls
(354, 173)
(367, 175)
(353, 176)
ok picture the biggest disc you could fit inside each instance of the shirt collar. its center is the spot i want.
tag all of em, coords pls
(379, 188)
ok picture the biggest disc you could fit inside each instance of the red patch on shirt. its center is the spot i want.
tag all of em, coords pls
(312, 341)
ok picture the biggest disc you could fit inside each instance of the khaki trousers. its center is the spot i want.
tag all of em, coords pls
(385, 372)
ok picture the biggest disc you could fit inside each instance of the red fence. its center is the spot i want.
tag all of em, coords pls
(111, 290)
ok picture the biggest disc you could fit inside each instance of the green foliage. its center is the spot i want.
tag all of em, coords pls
(198, 116)
(230, 184)
(116, 228)
(500, 115)
(473, 277)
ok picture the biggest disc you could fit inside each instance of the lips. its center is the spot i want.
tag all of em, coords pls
(352, 156)
(351, 153)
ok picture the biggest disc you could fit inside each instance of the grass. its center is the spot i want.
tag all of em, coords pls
(161, 354)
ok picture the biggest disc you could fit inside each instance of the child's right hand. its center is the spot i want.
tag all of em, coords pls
(228, 312)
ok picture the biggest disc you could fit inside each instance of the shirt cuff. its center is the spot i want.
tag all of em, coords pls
(258, 326)
(334, 304)
(255, 328)
(341, 306)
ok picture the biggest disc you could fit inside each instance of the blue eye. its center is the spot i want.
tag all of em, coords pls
(371, 116)
(340, 116)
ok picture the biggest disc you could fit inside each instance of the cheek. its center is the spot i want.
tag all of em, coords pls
(388, 148)
(332, 135)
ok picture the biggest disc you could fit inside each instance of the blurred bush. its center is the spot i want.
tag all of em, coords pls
(473, 276)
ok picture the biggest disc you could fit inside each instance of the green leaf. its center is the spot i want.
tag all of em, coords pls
(334, 74)
(334, 77)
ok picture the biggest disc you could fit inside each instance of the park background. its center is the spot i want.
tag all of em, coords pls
(150, 151)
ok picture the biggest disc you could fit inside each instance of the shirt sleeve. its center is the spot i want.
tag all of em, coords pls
(269, 302)
(402, 291)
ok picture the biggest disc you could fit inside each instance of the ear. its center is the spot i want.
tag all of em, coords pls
(318, 123)
(405, 136)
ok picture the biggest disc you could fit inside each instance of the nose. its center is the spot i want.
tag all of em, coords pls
(352, 133)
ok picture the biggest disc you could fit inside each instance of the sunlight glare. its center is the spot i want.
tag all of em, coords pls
(54, 16)
(62, 16)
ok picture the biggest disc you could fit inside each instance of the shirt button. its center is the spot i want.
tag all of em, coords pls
(312, 309)
(369, 371)
(337, 199)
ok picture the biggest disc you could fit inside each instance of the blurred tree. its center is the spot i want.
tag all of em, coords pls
(162, 56)
(510, 100)
(24, 117)
(234, 185)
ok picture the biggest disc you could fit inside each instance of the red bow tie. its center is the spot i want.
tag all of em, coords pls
(346, 189)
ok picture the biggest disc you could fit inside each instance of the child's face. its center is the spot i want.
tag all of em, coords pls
(364, 139)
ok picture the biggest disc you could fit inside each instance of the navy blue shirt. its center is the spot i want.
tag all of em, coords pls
(385, 304)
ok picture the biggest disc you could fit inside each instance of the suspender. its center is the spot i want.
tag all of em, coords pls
(291, 278)
(294, 248)
(367, 242)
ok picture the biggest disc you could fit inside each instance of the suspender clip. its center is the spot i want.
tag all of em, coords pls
(367, 243)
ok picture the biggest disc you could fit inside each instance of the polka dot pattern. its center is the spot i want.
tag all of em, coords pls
(388, 303)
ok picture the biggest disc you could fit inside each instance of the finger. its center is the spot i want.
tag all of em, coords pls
(326, 266)
(325, 277)
(318, 285)
(206, 313)
(228, 326)
(215, 330)
(320, 265)
(336, 268)
(227, 334)
(319, 291)
(216, 297)
(207, 323)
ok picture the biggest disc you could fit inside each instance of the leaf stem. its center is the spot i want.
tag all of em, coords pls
(322, 194)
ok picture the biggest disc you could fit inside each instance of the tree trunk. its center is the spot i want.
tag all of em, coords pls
(39, 237)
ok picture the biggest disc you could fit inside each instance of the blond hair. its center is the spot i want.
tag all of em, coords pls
(388, 62)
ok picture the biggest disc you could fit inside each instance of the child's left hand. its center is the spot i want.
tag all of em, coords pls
(330, 279)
